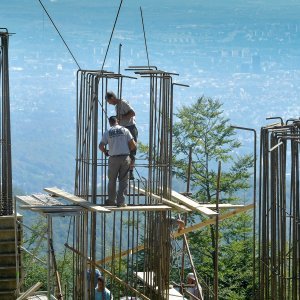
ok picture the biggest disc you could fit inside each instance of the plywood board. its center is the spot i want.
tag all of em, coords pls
(77, 200)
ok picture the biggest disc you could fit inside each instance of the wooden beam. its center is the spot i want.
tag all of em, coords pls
(175, 295)
(212, 221)
(163, 200)
(88, 205)
(60, 208)
(30, 292)
(147, 278)
(177, 234)
(223, 205)
(121, 254)
(193, 205)
(158, 207)
(35, 200)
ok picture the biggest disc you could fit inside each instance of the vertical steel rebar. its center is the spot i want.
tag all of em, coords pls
(90, 184)
(6, 200)
(278, 248)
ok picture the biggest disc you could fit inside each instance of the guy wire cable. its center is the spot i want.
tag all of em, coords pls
(59, 34)
(112, 32)
(145, 37)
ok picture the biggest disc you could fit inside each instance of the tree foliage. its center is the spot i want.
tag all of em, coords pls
(203, 128)
(36, 257)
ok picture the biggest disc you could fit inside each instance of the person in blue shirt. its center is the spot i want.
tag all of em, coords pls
(101, 292)
(97, 274)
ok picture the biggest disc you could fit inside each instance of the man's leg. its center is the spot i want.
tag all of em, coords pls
(113, 170)
(134, 132)
(123, 179)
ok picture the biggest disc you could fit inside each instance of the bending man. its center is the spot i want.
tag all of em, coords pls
(126, 118)
(120, 143)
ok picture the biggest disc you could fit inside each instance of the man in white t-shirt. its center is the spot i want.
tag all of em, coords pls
(192, 287)
(120, 142)
(126, 117)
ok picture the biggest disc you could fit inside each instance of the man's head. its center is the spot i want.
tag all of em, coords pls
(191, 278)
(113, 121)
(101, 283)
(111, 98)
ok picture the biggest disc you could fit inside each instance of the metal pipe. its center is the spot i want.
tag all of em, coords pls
(216, 252)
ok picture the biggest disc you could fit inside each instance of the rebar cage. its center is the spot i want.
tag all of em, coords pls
(278, 212)
(6, 202)
(131, 248)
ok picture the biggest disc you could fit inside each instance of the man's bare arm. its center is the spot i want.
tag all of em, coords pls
(132, 145)
(128, 115)
(102, 148)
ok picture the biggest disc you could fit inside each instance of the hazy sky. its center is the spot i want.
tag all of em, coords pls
(245, 53)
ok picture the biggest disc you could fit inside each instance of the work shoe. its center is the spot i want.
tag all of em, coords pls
(131, 176)
(109, 203)
(122, 205)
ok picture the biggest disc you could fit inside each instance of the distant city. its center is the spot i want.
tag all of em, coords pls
(244, 53)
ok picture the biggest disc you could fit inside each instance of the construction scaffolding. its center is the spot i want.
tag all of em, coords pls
(10, 230)
(278, 212)
(131, 246)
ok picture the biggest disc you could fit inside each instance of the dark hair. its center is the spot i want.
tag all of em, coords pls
(110, 95)
(101, 278)
(113, 120)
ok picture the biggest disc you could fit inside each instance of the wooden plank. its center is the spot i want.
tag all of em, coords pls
(211, 221)
(60, 209)
(175, 295)
(121, 254)
(193, 205)
(39, 199)
(181, 232)
(46, 199)
(146, 277)
(158, 207)
(163, 200)
(223, 205)
(29, 200)
(31, 291)
(65, 195)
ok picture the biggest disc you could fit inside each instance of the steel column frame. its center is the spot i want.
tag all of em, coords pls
(90, 178)
(6, 200)
(279, 240)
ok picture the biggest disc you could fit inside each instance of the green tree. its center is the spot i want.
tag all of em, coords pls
(35, 259)
(203, 128)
